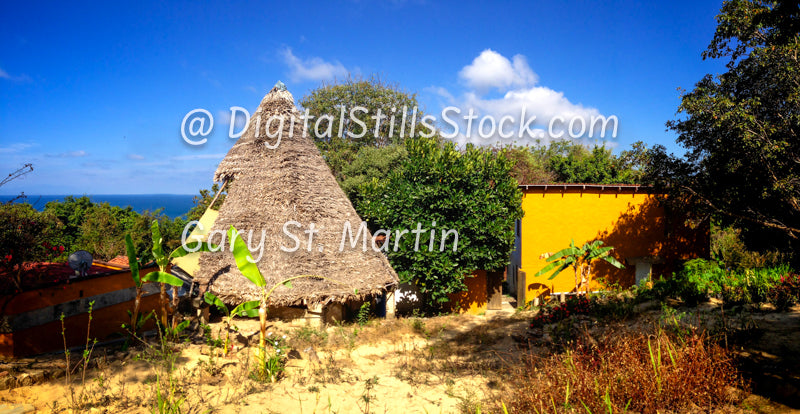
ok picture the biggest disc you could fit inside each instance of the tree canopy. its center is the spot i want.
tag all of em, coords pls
(572, 162)
(340, 130)
(741, 128)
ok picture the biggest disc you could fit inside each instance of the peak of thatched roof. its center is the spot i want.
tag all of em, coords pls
(273, 183)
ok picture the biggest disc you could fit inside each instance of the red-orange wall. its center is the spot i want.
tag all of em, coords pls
(47, 337)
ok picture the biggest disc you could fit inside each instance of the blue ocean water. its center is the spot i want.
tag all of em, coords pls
(174, 205)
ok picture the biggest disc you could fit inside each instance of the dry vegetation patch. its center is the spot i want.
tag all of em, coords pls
(652, 362)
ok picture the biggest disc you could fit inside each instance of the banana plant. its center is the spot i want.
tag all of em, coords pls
(580, 259)
(249, 309)
(247, 266)
(163, 262)
(139, 281)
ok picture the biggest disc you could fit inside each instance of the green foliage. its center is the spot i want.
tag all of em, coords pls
(203, 201)
(786, 293)
(244, 261)
(728, 247)
(741, 127)
(571, 162)
(574, 163)
(701, 279)
(72, 211)
(99, 228)
(272, 359)
(580, 259)
(101, 233)
(340, 150)
(372, 94)
(364, 312)
(249, 309)
(26, 235)
(698, 279)
(370, 163)
(469, 191)
(531, 164)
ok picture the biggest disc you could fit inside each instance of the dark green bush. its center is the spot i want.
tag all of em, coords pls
(699, 279)
(469, 191)
(786, 293)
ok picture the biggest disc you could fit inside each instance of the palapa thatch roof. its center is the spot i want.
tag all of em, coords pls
(270, 187)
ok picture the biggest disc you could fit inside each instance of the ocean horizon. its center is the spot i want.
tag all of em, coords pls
(174, 205)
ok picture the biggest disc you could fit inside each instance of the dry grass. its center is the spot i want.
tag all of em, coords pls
(462, 364)
(629, 371)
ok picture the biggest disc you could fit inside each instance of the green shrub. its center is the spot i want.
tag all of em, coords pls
(728, 247)
(443, 188)
(751, 285)
(26, 235)
(699, 279)
(555, 312)
(786, 293)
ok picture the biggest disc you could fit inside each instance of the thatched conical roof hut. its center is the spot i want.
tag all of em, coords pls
(269, 187)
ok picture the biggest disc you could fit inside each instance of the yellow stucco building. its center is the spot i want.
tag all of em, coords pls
(647, 239)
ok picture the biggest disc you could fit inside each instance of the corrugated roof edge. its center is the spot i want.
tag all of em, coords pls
(601, 187)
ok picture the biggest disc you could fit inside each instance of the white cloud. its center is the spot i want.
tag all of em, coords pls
(20, 78)
(69, 154)
(521, 95)
(135, 157)
(493, 70)
(14, 148)
(314, 69)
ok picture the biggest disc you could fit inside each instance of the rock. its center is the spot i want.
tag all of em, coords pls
(536, 332)
(16, 409)
(25, 379)
(646, 306)
(37, 376)
(7, 382)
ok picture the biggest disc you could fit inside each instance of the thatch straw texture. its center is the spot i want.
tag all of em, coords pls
(270, 187)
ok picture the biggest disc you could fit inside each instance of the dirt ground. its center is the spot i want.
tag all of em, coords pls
(444, 364)
(434, 365)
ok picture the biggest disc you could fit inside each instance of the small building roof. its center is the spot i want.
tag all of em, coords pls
(271, 184)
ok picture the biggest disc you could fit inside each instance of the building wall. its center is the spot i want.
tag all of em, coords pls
(31, 320)
(626, 218)
(475, 299)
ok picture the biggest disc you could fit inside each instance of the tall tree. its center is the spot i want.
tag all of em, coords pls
(340, 130)
(741, 127)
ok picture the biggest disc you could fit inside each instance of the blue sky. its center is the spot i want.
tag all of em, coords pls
(93, 94)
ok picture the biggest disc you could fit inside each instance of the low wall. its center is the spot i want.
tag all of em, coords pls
(31, 321)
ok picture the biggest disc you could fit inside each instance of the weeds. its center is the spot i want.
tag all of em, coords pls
(271, 359)
(367, 397)
(786, 292)
(418, 326)
(628, 371)
(308, 336)
(83, 397)
(364, 313)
